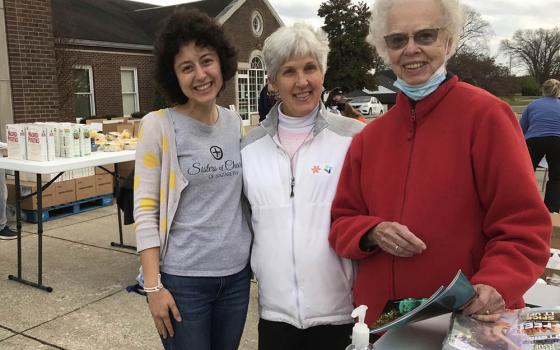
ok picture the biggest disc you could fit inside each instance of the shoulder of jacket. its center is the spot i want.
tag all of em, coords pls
(253, 136)
(154, 118)
(343, 126)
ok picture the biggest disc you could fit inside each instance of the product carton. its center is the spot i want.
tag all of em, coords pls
(85, 141)
(77, 136)
(37, 144)
(66, 140)
(17, 145)
(51, 141)
(52, 138)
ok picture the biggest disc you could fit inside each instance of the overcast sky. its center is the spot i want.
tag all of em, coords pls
(504, 16)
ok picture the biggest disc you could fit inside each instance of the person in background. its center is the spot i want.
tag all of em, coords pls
(540, 123)
(6, 232)
(291, 164)
(351, 112)
(441, 182)
(191, 235)
(334, 102)
(267, 98)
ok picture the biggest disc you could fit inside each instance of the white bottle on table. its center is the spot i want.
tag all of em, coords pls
(360, 332)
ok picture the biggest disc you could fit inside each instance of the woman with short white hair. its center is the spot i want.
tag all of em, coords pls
(291, 165)
(441, 182)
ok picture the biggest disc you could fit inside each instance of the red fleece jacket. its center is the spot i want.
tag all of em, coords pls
(455, 170)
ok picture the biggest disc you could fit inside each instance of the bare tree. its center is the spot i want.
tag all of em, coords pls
(475, 33)
(537, 50)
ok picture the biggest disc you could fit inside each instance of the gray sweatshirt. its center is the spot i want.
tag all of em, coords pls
(188, 193)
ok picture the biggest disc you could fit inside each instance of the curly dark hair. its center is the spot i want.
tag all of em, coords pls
(182, 28)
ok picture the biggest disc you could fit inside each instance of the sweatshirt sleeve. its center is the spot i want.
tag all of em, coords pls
(147, 180)
(517, 225)
(349, 213)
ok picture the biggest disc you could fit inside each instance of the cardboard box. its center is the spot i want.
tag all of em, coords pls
(57, 193)
(126, 126)
(85, 187)
(99, 171)
(103, 184)
(26, 188)
(112, 125)
(65, 191)
(94, 121)
(136, 123)
(555, 237)
(125, 168)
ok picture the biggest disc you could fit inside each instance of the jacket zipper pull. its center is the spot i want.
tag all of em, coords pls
(292, 183)
(413, 124)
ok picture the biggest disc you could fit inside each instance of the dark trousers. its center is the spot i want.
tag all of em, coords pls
(282, 336)
(549, 147)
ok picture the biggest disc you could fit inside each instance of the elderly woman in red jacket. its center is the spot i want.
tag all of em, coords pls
(441, 182)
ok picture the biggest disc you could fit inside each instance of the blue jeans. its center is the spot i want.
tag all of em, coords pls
(213, 311)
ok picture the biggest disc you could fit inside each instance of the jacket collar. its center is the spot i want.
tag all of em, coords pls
(270, 124)
(426, 105)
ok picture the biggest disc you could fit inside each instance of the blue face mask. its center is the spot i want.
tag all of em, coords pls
(418, 92)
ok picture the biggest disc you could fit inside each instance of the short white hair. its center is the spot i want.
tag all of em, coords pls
(453, 14)
(298, 40)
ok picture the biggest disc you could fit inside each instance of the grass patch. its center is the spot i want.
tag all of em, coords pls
(517, 100)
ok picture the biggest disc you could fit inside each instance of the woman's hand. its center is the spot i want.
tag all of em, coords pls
(396, 239)
(160, 304)
(488, 304)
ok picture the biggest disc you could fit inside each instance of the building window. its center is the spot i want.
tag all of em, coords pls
(257, 23)
(84, 105)
(250, 82)
(129, 88)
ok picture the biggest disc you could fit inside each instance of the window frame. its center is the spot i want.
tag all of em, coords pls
(91, 87)
(134, 70)
(249, 77)
(257, 15)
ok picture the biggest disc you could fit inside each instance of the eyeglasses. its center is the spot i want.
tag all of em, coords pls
(422, 37)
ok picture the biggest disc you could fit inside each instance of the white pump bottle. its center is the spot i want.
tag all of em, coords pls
(360, 332)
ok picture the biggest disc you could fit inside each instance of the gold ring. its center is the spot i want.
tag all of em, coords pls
(397, 248)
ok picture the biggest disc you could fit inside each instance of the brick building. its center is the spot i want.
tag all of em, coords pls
(69, 58)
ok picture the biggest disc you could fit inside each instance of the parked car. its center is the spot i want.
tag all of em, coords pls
(367, 105)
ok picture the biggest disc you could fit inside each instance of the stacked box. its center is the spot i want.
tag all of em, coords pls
(57, 193)
(17, 145)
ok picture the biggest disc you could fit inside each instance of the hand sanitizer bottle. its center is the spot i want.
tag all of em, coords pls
(360, 332)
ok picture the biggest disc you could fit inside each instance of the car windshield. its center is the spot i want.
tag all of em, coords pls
(360, 99)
